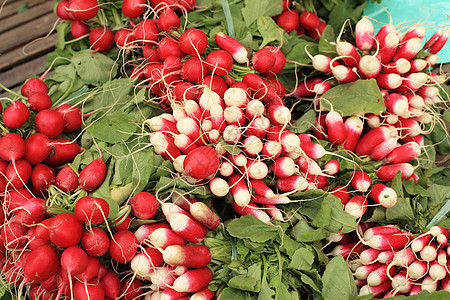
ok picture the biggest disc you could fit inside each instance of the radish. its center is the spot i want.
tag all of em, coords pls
(384, 148)
(348, 53)
(373, 137)
(42, 177)
(389, 81)
(18, 173)
(95, 242)
(232, 46)
(71, 115)
(83, 10)
(397, 104)
(12, 147)
(91, 290)
(375, 290)
(146, 32)
(193, 41)
(289, 20)
(133, 8)
(369, 66)
(191, 256)
(258, 127)
(202, 213)
(49, 122)
(404, 153)
(388, 172)
(369, 256)
(439, 43)
(203, 294)
(33, 85)
(201, 162)
(348, 250)
(309, 166)
(62, 10)
(167, 46)
(123, 246)
(292, 183)
(335, 128)
(388, 47)
(417, 269)
(65, 230)
(344, 74)
(112, 282)
(216, 84)
(130, 288)
(383, 195)
(15, 115)
(67, 179)
(342, 193)
(144, 205)
(74, 260)
(263, 60)
(408, 49)
(356, 206)
(365, 270)
(41, 264)
(309, 20)
(168, 20)
(364, 34)
(413, 82)
(283, 167)
(92, 175)
(63, 151)
(353, 127)
(187, 227)
(193, 280)
(144, 231)
(79, 29)
(39, 101)
(380, 230)
(101, 39)
(331, 167)
(164, 237)
(147, 261)
(400, 66)
(218, 186)
(92, 270)
(91, 210)
(393, 241)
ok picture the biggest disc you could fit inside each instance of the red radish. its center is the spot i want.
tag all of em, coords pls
(417, 269)
(33, 85)
(202, 213)
(31, 212)
(124, 38)
(274, 200)
(356, 206)
(313, 150)
(397, 104)
(256, 169)
(283, 167)
(191, 256)
(344, 74)
(130, 288)
(193, 280)
(144, 205)
(335, 128)
(353, 127)
(408, 49)
(413, 82)
(79, 28)
(400, 66)
(112, 282)
(95, 242)
(67, 179)
(369, 66)
(331, 167)
(439, 43)
(193, 41)
(150, 54)
(309, 166)
(232, 46)
(369, 256)
(234, 116)
(63, 151)
(92, 175)
(49, 122)
(216, 84)
(384, 148)
(65, 230)
(62, 10)
(363, 271)
(253, 209)
(168, 20)
(83, 10)
(16, 114)
(145, 262)
(164, 146)
(409, 128)
(309, 20)
(418, 65)
(292, 183)
(375, 290)
(187, 227)
(289, 20)
(393, 241)
(280, 60)
(167, 46)
(39, 101)
(372, 138)
(42, 177)
(12, 234)
(92, 290)
(91, 210)
(380, 275)
(278, 114)
(123, 246)
(404, 153)
(72, 117)
(16, 198)
(146, 32)
(364, 34)
(386, 256)
(342, 193)
(185, 91)
(203, 294)
(262, 189)
(12, 147)
(74, 260)
(348, 250)
(92, 269)
(380, 230)
(383, 195)
(263, 60)
(133, 8)
(258, 127)
(164, 237)
(389, 81)
(101, 39)
(348, 53)
(41, 264)
(18, 173)
(388, 172)
(388, 47)
(252, 145)
(437, 272)
(143, 232)
(201, 162)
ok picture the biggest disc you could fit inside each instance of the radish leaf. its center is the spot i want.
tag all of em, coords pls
(338, 282)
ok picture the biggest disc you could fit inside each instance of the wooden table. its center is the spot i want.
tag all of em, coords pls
(28, 35)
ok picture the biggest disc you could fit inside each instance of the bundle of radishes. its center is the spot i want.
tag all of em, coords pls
(390, 262)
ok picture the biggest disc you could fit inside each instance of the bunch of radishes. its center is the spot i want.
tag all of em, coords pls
(305, 22)
(390, 262)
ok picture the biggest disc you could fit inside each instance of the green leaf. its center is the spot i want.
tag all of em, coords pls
(440, 138)
(255, 9)
(269, 30)
(298, 52)
(338, 282)
(355, 97)
(94, 68)
(305, 233)
(402, 210)
(303, 123)
(302, 259)
(244, 283)
(327, 42)
(235, 294)
(266, 293)
(249, 227)
(113, 128)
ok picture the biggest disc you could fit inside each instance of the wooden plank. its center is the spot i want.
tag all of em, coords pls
(26, 16)
(27, 32)
(19, 74)
(11, 6)
(17, 56)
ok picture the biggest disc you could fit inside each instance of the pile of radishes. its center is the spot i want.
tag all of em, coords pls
(388, 262)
